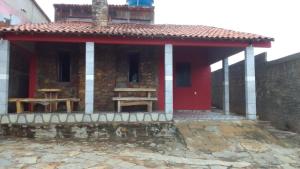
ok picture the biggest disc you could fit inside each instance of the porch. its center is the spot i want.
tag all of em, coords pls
(96, 69)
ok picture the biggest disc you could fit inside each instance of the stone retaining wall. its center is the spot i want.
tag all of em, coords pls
(90, 131)
(277, 87)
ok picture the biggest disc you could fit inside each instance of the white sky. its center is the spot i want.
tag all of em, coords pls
(275, 18)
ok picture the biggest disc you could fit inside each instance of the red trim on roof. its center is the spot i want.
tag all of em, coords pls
(132, 41)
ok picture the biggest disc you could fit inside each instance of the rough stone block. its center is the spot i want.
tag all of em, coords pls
(125, 116)
(148, 118)
(118, 117)
(4, 119)
(140, 116)
(87, 118)
(79, 118)
(38, 119)
(133, 118)
(95, 117)
(162, 118)
(103, 118)
(22, 119)
(71, 118)
(169, 116)
(63, 117)
(155, 116)
(80, 133)
(47, 117)
(110, 117)
(13, 118)
(55, 119)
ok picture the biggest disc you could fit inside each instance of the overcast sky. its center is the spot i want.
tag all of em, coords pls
(275, 18)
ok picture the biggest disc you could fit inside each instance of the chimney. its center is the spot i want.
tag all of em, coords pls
(100, 12)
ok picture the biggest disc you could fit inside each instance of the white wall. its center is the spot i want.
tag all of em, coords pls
(21, 11)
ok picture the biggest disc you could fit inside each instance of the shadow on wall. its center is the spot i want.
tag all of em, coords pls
(277, 87)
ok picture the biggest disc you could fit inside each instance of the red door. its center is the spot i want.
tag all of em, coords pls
(192, 90)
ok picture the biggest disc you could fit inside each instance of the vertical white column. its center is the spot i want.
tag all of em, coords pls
(226, 86)
(89, 77)
(4, 75)
(250, 88)
(169, 78)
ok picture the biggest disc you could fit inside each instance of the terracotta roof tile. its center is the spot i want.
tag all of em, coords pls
(196, 32)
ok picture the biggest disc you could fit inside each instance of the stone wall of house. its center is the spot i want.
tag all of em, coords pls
(47, 68)
(111, 71)
(18, 74)
(277, 85)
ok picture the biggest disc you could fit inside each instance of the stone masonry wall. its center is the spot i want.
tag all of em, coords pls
(18, 75)
(277, 86)
(111, 71)
(47, 71)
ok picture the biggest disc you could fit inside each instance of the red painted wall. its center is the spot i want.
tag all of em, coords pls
(161, 71)
(32, 76)
(198, 95)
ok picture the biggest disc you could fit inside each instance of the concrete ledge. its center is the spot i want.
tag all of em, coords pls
(70, 118)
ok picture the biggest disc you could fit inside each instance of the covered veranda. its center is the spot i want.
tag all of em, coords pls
(168, 95)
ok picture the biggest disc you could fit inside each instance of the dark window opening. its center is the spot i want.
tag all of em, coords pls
(64, 67)
(183, 74)
(134, 64)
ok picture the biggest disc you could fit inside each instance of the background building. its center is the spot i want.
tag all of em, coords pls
(21, 11)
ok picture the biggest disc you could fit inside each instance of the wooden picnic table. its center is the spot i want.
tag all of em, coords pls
(134, 101)
(20, 102)
(50, 94)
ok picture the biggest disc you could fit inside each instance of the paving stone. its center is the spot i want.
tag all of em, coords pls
(218, 167)
(5, 162)
(27, 160)
(231, 155)
(51, 158)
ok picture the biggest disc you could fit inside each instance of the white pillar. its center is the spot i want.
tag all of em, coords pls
(250, 88)
(226, 86)
(4, 75)
(169, 78)
(89, 77)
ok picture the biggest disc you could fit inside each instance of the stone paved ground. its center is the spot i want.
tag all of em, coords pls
(198, 144)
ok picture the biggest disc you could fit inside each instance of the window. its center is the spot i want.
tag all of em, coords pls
(183, 74)
(64, 67)
(134, 64)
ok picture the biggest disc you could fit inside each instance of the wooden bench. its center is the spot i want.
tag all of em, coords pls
(134, 101)
(20, 102)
